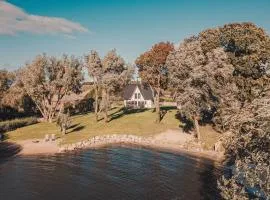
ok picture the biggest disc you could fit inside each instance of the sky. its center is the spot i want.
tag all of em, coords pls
(32, 27)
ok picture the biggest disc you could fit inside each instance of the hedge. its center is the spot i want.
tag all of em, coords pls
(11, 125)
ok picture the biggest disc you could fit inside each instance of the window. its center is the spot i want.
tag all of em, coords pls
(135, 95)
(139, 95)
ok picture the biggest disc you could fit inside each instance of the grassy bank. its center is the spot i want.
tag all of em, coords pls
(141, 123)
(84, 126)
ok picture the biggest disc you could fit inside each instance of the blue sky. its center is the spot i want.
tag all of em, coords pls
(129, 26)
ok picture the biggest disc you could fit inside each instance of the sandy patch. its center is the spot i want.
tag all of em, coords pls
(31, 147)
(174, 137)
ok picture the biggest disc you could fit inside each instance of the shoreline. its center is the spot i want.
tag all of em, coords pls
(206, 154)
(168, 141)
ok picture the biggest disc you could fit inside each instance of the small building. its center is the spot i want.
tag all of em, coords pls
(138, 96)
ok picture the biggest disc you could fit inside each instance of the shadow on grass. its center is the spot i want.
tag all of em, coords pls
(187, 124)
(165, 109)
(168, 108)
(127, 111)
(8, 149)
(78, 128)
(124, 111)
(74, 126)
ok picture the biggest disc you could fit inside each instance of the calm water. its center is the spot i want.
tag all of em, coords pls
(108, 173)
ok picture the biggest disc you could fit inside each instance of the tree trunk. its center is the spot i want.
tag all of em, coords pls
(105, 105)
(64, 130)
(50, 116)
(197, 127)
(50, 119)
(96, 103)
(158, 119)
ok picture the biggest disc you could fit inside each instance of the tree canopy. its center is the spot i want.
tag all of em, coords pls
(153, 70)
(47, 80)
(225, 71)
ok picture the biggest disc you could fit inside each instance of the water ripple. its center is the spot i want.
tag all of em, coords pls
(109, 173)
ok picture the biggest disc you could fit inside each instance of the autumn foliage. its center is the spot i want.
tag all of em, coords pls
(153, 70)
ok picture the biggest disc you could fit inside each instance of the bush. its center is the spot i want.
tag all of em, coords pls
(11, 125)
(64, 121)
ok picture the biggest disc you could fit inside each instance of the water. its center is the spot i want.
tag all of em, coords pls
(108, 173)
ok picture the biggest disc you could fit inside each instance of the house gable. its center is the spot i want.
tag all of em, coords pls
(137, 95)
(146, 93)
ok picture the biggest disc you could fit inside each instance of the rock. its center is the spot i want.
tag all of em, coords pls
(70, 148)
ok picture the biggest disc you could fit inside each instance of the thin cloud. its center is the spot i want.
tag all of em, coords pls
(14, 20)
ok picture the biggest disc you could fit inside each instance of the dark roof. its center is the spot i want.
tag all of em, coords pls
(145, 90)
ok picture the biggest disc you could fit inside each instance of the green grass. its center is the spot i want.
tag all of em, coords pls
(209, 136)
(84, 126)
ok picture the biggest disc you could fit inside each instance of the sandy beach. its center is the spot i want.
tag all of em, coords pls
(171, 141)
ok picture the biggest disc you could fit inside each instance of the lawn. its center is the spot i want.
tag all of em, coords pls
(141, 122)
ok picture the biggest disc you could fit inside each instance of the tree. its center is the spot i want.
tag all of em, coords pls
(248, 147)
(95, 71)
(198, 79)
(63, 121)
(5, 82)
(16, 98)
(115, 76)
(47, 80)
(232, 78)
(153, 70)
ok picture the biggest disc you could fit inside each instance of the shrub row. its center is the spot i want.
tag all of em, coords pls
(11, 125)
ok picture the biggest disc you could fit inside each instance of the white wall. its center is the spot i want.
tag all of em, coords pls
(149, 104)
(133, 95)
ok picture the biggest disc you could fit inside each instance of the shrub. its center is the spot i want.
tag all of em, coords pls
(64, 121)
(11, 125)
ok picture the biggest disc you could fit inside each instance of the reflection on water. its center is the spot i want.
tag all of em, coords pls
(108, 173)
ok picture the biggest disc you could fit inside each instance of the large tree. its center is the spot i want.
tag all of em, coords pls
(153, 70)
(47, 80)
(6, 80)
(95, 71)
(14, 101)
(198, 79)
(236, 83)
(17, 99)
(249, 146)
(114, 76)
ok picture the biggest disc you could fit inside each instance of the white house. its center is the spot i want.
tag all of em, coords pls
(138, 96)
